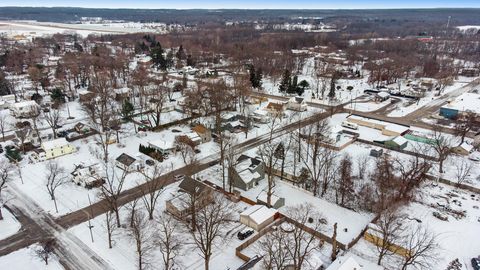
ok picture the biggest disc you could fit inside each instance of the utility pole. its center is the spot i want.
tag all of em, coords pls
(90, 226)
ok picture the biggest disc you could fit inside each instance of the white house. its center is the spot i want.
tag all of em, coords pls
(164, 147)
(258, 217)
(297, 104)
(260, 116)
(128, 163)
(53, 149)
(24, 108)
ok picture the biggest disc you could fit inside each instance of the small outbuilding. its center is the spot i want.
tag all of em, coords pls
(258, 217)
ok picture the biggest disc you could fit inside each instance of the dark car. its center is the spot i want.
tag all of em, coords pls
(476, 263)
(244, 235)
(150, 162)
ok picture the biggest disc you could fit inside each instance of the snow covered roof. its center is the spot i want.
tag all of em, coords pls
(27, 103)
(383, 94)
(262, 197)
(162, 144)
(348, 263)
(193, 136)
(246, 168)
(60, 142)
(400, 140)
(466, 102)
(397, 128)
(259, 213)
(467, 147)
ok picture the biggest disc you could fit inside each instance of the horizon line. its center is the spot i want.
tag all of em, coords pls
(194, 8)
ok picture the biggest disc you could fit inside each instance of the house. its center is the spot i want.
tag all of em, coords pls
(53, 149)
(121, 93)
(275, 201)
(297, 104)
(85, 96)
(128, 163)
(192, 138)
(464, 149)
(24, 108)
(260, 116)
(276, 109)
(88, 176)
(190, 191)
(204, 133)
(470, 72)
(6, 101)
(397, 143)
(350, 261)
(234, 127)
(162, 146)
(467, 102)
(382, 96)
(258, 217)
(247, 173)
(387, 129)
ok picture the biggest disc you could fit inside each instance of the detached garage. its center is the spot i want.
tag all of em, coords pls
(258, 217)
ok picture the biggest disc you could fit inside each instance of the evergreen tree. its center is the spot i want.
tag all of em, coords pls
(292, 88)
(158, 60)
(181, 53)
(57, 95)
(331, 93)
(285, 83)
(127, 109)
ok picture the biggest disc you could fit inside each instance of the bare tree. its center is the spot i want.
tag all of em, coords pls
(344, 188)
(168, 239)
(211, 222)
(152, 188)
(362, 165)
(56, 177)
(5, 177)
(463, 125)
(113, 186)
(110, 226)
(157, 98)
(45, 250)
(422, 247)
(273, 245)
(3, 125)
(185, 147)
(53, 119)
(462, 171)
(301, 244)
(442, 145)
(140, 232)
(388, 230)
(267, 154)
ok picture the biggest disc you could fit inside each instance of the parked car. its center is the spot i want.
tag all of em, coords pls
(150, 162)
(244, 235)
(179, 177)
(440, 216)
(476, 263)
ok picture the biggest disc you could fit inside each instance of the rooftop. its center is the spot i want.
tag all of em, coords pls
(259, 213)
(60, 142)
(465, 102)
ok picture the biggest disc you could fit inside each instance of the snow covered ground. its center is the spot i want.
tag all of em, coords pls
(9, 225)
(455, 236)
(25, 259)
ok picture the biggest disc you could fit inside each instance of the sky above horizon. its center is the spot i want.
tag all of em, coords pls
(248, 4)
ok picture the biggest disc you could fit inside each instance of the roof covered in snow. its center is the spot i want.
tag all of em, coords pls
(465, 102)
(57, 143)
(259, 213)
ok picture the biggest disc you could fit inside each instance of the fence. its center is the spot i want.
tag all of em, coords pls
(453, 184)
(247, 243)
(399, 150)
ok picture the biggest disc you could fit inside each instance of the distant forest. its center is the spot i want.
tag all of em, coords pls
(199, 17)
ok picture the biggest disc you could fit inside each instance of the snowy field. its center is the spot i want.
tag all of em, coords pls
(456, 236)
(9, 225)
(25, 259)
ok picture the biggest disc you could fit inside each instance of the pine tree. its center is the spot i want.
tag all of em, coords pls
(285, 83)
(331, 93)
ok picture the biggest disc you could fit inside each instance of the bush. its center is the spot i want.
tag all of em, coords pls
(151, 152)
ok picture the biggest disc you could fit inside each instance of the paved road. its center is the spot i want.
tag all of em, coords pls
(434, 105)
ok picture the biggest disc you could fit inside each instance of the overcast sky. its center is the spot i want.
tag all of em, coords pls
(246, 4)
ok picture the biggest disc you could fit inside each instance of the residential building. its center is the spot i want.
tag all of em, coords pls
(203, 132)
(24, 108)
(247, 173)
(397, 143)
(276, 109)
(464, 149)
(297, 104)
(53, 149)
(191, 192)
(128, 163)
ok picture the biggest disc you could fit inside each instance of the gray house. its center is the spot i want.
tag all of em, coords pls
(248, 172)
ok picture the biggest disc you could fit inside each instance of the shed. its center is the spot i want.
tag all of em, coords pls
(258, 217)
(397, 143)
